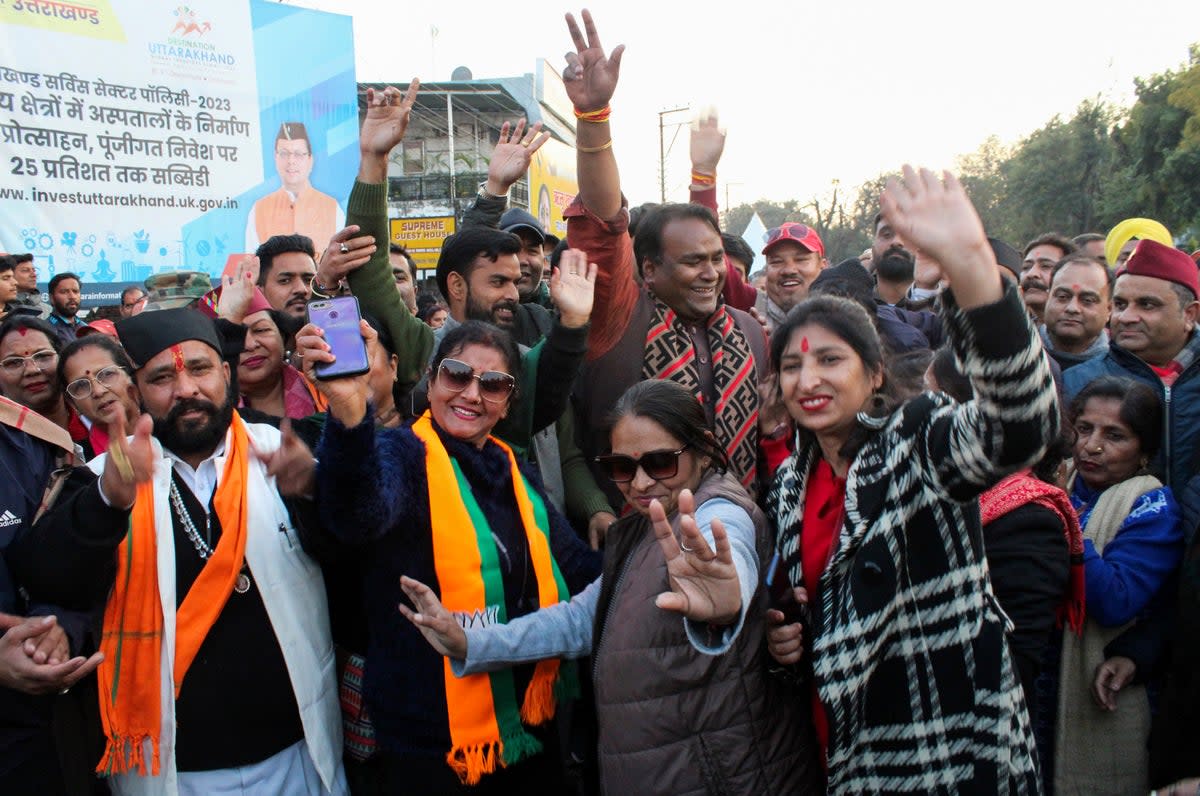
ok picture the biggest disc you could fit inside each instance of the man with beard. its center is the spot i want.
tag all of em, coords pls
(218, 665)
(286, 267)
(64, 303)
(1037, 265)
(509, 162)
(894, 265)
(1077, 312)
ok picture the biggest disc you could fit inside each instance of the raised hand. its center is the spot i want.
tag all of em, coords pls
(704, 583)
(237, 290)
(21, 672)
(590, 77)
(437, 625)
(934, 215)
(291, 464)
(573, 288)
(513, 154)
(707, 142)
(387, 118)
(336, 264)
(347, 395)
(127, 462)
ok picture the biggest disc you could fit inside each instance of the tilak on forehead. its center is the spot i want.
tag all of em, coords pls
(177, 357)
(804, 345)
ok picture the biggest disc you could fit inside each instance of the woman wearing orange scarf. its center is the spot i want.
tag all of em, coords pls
(444, 501)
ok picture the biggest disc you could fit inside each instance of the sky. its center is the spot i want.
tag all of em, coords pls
(810, 92)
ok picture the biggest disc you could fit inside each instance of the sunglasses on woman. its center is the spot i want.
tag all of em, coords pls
(657, 465)
(494, 385)
(109, 378)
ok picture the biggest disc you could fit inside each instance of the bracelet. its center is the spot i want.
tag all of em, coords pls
(598, 116)
(606, 145)
(700, 178)
(320, 291)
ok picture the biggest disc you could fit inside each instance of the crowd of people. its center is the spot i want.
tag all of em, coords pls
(611, 514)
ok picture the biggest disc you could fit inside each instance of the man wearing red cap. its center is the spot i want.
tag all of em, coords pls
(795, 256)
(1154, 313)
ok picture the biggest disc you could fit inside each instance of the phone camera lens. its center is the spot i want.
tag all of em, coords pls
(333, 314)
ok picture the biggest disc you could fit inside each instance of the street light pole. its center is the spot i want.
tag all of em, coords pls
(662, 153)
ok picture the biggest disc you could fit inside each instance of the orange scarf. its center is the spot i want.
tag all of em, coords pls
(485, 725)
(130, 677)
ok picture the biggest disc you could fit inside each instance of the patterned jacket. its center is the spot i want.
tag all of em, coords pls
(908, 641)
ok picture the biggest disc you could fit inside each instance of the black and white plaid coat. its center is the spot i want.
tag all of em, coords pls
(907, 640)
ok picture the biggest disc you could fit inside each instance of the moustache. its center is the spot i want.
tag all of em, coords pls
(1034, 283)
(507, 304)
(191, 405)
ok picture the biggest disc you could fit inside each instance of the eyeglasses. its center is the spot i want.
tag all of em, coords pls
(284, 154)
(657, 465)
(130, 305)
(108, 378)
(494, 386)
(42, 360)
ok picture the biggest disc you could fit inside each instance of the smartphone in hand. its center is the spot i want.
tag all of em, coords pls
(339, 318)
(780, 593)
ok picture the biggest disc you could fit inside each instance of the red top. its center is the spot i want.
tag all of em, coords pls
(824, 507)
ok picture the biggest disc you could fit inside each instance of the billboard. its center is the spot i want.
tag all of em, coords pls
(138, 138)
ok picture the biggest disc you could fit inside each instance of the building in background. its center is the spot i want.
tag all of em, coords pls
(435, 173)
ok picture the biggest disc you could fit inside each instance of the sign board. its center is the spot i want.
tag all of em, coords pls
(138, 138)
(422, 237)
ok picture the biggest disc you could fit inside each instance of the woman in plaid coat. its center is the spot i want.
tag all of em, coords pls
(878, 524)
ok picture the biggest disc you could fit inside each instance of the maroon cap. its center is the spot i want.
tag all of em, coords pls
(803, 234)
(1152, 258)
(100, 325)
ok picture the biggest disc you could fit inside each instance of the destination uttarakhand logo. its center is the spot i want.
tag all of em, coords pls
(188, 45)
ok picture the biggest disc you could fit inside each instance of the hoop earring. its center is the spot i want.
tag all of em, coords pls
(876, 421)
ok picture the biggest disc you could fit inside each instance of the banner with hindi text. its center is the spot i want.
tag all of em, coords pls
(138, 138)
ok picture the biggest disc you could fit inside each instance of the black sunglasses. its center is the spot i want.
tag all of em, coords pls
(657, 465)
(494, 385)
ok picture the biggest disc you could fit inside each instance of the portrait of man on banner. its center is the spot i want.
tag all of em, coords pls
(297, 207)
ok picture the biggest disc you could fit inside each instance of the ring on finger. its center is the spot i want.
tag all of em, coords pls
(344, 249)
(685, 548)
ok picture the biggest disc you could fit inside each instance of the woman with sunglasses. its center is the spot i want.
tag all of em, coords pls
(442, 500)
(100, 385)
(914, 688)
(684, 703)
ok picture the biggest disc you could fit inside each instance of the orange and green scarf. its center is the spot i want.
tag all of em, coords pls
(485, 722)
(130, 676)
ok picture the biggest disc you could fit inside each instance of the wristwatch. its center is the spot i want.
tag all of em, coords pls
(484, 194)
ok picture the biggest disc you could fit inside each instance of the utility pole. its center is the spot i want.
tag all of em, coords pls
(662, 152)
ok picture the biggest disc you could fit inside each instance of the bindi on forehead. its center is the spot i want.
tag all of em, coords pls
(804, 345)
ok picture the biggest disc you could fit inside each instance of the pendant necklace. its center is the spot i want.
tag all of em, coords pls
(203, 544)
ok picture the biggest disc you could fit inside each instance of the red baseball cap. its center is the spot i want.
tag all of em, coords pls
(98, 326)
(803, 234)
